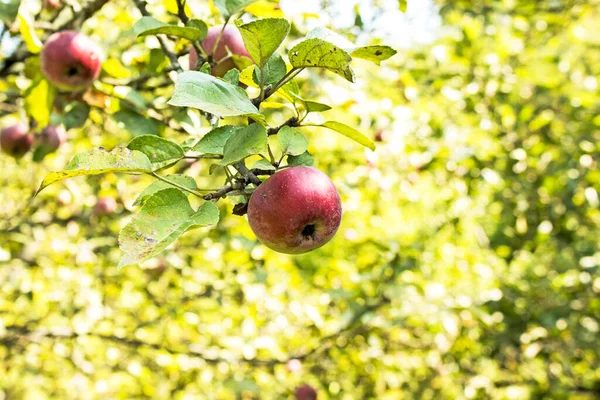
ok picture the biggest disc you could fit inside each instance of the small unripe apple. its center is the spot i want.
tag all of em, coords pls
(231, 40)
(295, 211)
(305, 392)
(70, 61)
(52, 137)
(105, 206)
(15, 140)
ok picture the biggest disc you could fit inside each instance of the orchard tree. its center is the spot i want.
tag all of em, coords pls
(292, 211)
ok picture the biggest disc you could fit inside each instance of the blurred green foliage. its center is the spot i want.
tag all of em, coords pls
(467, 264)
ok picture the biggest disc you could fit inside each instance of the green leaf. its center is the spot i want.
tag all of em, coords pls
(207, 93)
(131, 96)
(249, 140)
(247, 76)
(150, 26)
(349, 132)
(229, 7)
(332, 37)
(232, 76)
(183, 180)
(264, 165)
(263, 36)
(319, 53)
(214, 141)
(291, 141)
(99, 161)
(272, 72)
(303, 159)
(75, 115)
(290, 91)
(32, 41)
(205, 68)
(165, 216)
(312, 106)
(9, 9)
(161, 152)
(402, 4)
(374, 54)
(39, 101)
(135, 123)
(200, 25)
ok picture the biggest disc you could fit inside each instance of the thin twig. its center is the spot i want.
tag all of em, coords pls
(141, 5)
(180, 187)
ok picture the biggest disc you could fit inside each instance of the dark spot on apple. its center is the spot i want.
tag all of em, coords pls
(72, 71)
(309, 231)
(378, 53)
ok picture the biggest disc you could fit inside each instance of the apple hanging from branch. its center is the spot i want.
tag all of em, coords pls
(231, 42)
(71, 61)
(51, 138)
(295, 211)
(16, 140)
(305, 392)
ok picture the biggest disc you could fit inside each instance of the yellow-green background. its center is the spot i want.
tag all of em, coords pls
(467, 264)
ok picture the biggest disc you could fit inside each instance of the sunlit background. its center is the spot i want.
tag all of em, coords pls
(467, 265)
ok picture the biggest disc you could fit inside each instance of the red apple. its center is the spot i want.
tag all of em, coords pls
(230, 40)
(105, 206)
(70, 61)
(295, 211)
(52, 137)
(305, 392)
(15, 140)
(50, 4)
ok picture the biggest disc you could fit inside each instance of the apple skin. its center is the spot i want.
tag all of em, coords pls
(15, 140)
(105, 206)
(295, 211)
(50, 4)
(70, 61)
(52, 137)
(305, 392)
(231, 39)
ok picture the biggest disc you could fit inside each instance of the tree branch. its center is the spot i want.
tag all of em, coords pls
(141, 5)
(293, 121)
(246, 173)
(89, 9)
(21, 53)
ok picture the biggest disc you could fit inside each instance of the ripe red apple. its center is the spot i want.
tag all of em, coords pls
(305, 392)
(15, 140)
(230, 40)
(295, 211)
(105, 206)
(52, 137)
(70, 61)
